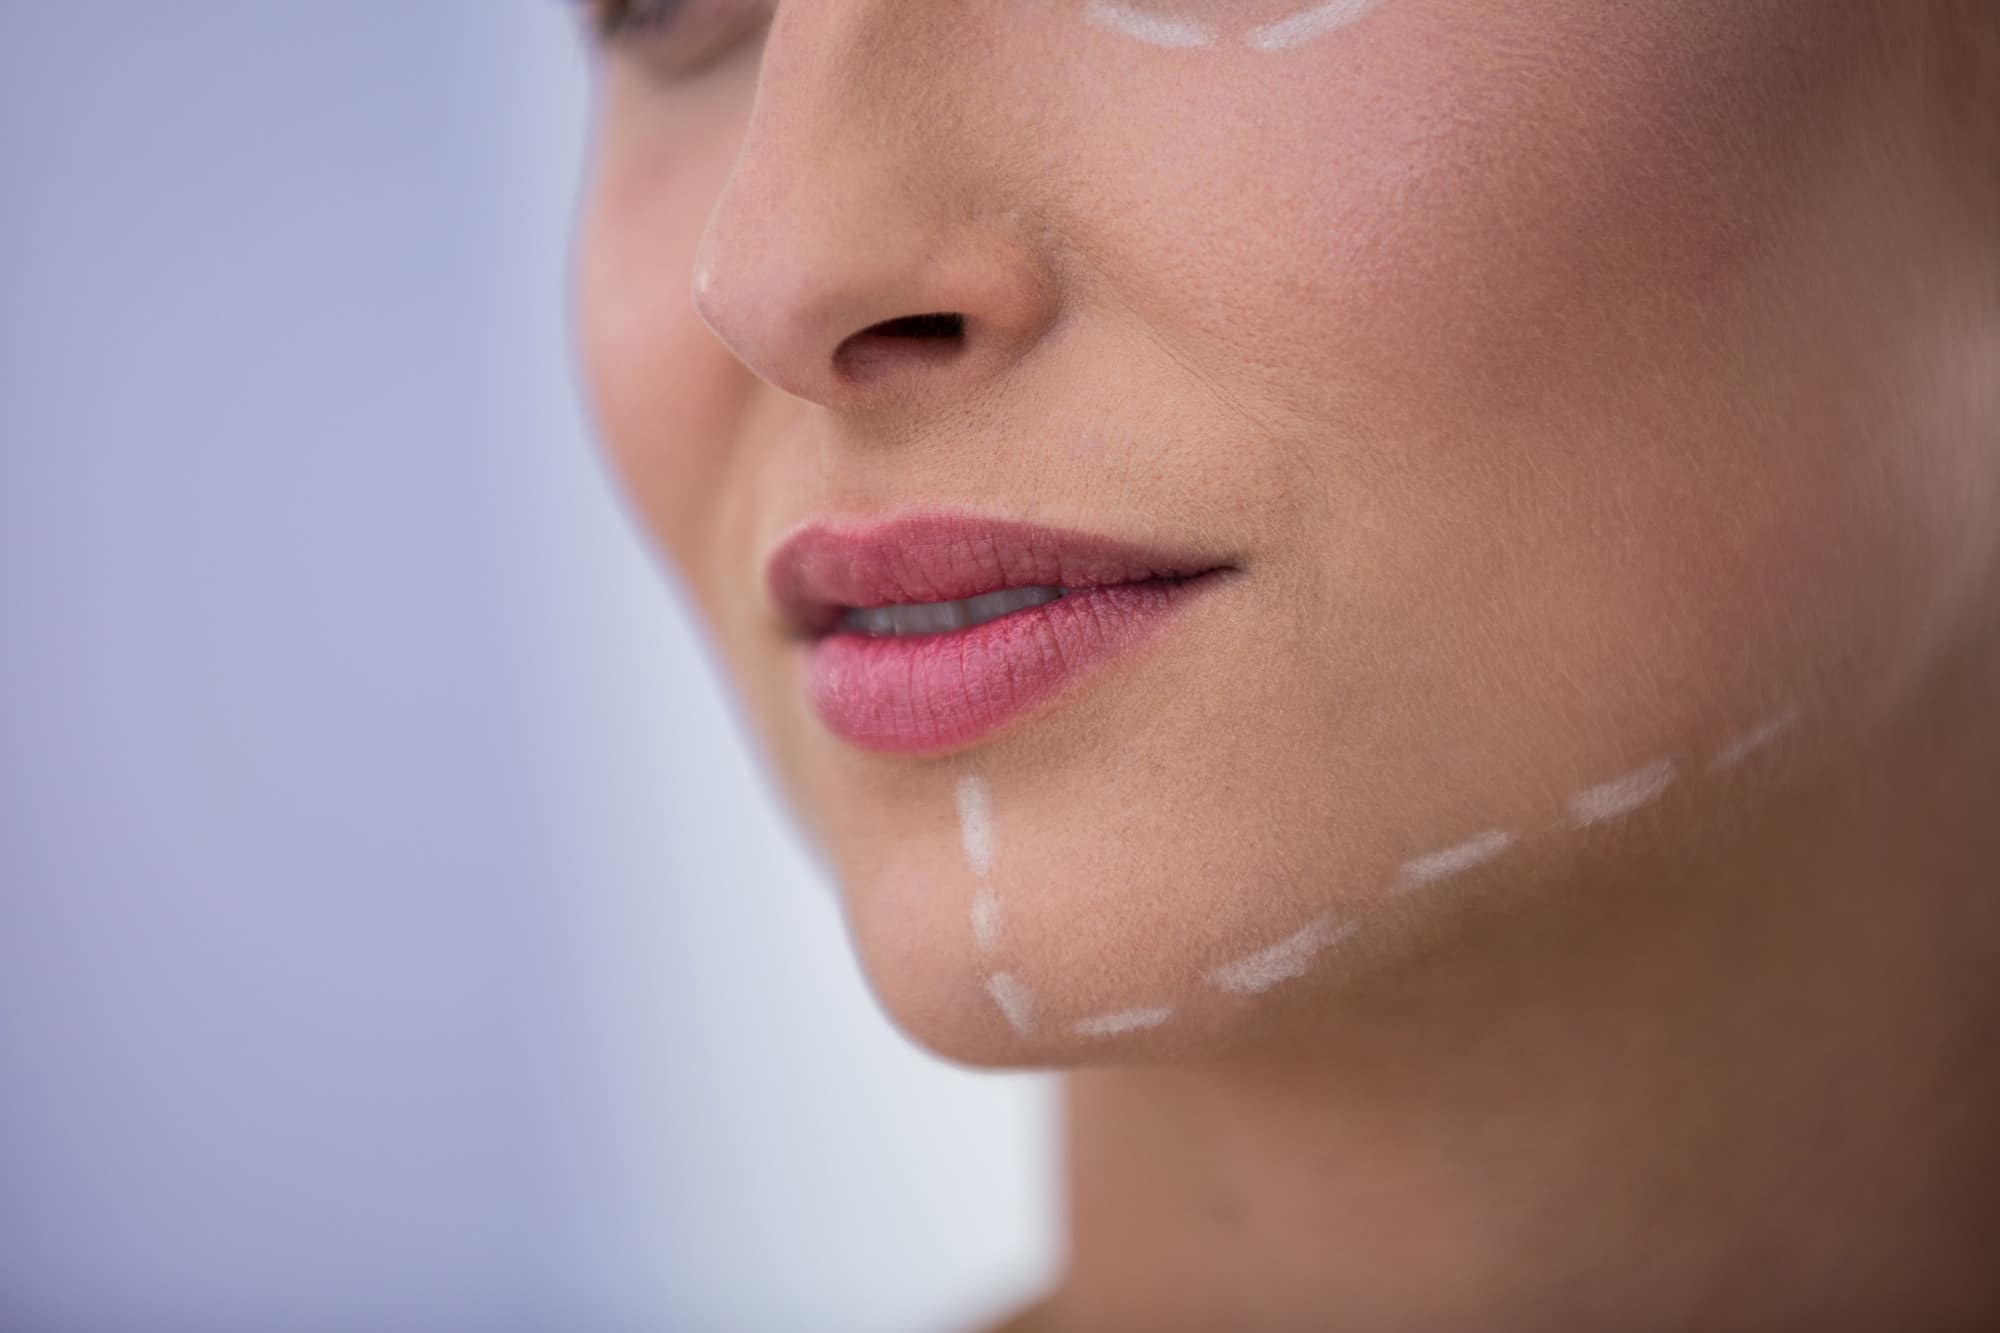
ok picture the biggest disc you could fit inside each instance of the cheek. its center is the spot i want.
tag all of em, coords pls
(667, 395)
(1558, 324)
(1465, 194)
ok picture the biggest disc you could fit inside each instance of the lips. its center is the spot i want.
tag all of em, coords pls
(928, 633)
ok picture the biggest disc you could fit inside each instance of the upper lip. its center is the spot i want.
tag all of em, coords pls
(824, 568)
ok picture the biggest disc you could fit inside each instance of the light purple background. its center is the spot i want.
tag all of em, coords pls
(394, 934)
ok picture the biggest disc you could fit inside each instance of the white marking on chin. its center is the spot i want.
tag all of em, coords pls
(985, 919)
(1434, 866)
(1282, 961)
(1734, 753)
(975, 824)
(1152, 29)
(1306, 25)
(1622, 795)
(1125, 1020)
(1016, 1001)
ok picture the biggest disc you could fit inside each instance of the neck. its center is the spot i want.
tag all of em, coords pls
(1757, 1093)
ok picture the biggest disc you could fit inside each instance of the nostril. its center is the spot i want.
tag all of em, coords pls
(911, 338)
(920, 326)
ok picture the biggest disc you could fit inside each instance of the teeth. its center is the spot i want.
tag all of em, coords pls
(939, 617)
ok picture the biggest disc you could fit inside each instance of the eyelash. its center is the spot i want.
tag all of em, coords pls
(675, 39)
(616, 20)
(683, 35)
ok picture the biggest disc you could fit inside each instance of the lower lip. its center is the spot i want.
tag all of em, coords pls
(930, 693)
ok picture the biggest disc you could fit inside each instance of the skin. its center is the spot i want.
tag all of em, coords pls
(1572, 386)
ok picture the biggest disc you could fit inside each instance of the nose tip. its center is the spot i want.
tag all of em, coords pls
(848, 306)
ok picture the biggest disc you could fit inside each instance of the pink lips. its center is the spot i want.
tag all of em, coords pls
(928, 693)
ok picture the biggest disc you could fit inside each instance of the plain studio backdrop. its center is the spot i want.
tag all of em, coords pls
(394, 932)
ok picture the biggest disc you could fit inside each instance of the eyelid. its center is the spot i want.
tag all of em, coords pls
(675, 38)
(615, 20)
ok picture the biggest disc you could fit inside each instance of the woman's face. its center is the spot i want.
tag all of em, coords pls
(1480, 446)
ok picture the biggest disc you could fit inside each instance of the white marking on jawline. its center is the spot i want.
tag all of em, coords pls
(1302, 27)
(1434, 866)
(1016, 1001)
(1752, 741)
(1152, 29)
(975, 824)
(985, 919)
(1282, 961)
(1622, 795)
(1124, 1020)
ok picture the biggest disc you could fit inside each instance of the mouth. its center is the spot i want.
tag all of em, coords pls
(929, 633)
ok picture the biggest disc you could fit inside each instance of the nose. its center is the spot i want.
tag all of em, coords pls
(862, 250)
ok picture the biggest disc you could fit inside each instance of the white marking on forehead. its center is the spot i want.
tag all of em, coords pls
(1124, 1020)
(1622, 795)
(975, 824)
(1016, 1001)
(1434, 866)
(1282, 961)
(985, 919)
(1752, 741)
(1305, 25)
(1152, 29)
